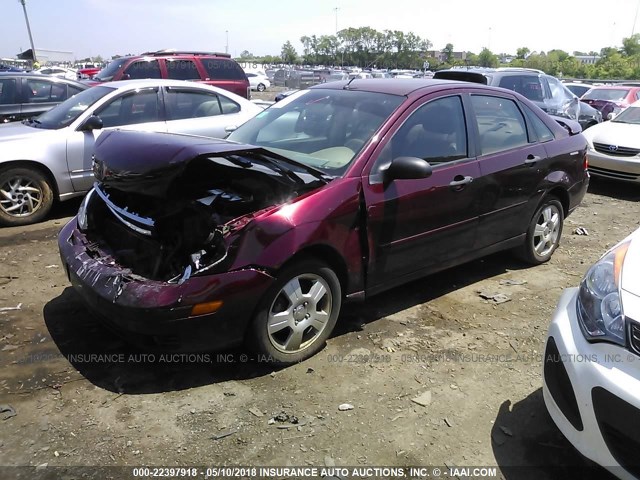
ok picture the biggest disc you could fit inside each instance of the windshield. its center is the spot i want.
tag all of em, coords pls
(610, 94)
(629, 115)
(65, 113)
(107, 73)
(321, 128)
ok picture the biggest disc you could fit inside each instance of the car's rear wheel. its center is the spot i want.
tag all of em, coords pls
(25, 196)
(261, 87)
(298, 313)
(544, 232)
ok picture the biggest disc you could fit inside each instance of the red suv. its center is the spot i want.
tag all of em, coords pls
(217, 69)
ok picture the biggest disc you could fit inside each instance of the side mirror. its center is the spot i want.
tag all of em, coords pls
(125, 76)
(92, 123)
(407, 168)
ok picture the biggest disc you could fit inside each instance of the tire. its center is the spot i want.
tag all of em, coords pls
(261, 87)
(304, 324)
(25, 196)
(544, 232)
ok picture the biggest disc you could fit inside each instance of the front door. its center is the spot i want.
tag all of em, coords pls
(140, 110)
(419, 225)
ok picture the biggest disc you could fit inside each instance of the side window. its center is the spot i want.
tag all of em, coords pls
(222, 69)
(183, 104)
(8, 92)
(638, 95)
(543, 132)
(182, 69)
(228, 105)
(131, 108)
(435, 132)
(38, 91)
(71, 91)
(528, 85)
(500, 124)
(143, 69)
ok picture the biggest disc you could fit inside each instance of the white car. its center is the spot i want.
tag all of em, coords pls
(51, 155)
(614, 146)
(258, 82)
(60, 72)
(592, 361)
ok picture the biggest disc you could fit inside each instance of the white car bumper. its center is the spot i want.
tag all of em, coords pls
(613, 166)
(603, 419)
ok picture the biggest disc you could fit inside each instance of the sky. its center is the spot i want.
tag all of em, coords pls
(108, 27)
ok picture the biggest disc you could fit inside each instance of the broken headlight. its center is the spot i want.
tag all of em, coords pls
(599, 306)
(83, 221)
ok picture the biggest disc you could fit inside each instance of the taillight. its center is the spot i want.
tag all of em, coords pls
(585, 161)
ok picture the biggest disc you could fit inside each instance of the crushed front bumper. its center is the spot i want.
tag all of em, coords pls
(157, 314)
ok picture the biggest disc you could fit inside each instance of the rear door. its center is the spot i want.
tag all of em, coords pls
(512, 163)
(418, 225)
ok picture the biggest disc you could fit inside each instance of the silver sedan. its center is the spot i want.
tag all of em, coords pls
(50, 157)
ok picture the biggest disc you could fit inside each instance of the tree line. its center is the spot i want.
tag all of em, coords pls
(366, 47)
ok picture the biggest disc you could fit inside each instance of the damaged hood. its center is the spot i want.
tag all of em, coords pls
(148, 163)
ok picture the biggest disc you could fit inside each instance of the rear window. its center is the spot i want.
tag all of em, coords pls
(222, 69)
(611, 94)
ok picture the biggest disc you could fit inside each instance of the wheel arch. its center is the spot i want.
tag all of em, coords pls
(563, 197)
(32, 164)
(327, 254)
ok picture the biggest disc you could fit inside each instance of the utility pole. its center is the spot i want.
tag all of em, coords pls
(226, 47)
(635, 19)
(26, 18)
(336, 10)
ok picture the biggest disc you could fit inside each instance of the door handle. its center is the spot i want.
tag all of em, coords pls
(531, 159)
(459, 182)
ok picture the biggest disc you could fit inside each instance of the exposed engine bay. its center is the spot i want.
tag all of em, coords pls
(171, 236)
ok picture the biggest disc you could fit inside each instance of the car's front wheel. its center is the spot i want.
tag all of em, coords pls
(544, 232)
(298, 313)
(25, 196)
(261, 87)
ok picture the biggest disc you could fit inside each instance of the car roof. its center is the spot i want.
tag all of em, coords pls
(40, 76)
(613, 87)
(162, 82)
(392, 86)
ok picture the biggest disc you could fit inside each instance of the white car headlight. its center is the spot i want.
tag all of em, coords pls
(83, 221)
(599, 306)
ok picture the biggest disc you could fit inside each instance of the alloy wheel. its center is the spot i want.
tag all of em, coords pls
(20, 196)
(299, 313)
(547, 230)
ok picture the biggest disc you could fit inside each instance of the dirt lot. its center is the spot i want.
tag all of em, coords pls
(480, 363)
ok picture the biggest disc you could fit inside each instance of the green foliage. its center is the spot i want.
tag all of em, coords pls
(366, 47)
(487, 58)
(288, 53)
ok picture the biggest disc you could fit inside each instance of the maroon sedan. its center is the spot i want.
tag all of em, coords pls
(611, 100)
(335, 193)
